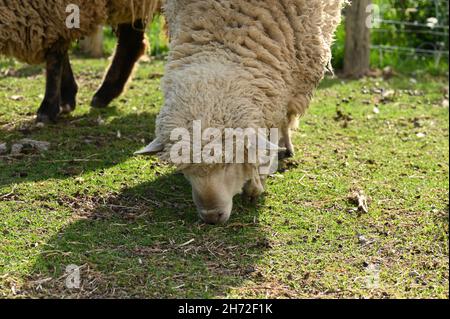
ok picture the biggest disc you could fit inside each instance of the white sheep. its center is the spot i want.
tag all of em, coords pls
(240, 64)
(41, 31)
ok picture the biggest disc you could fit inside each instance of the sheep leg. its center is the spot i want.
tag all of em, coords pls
(50, 107)
(286, 139)
(286, 142)
(130, 48)
(69, 87)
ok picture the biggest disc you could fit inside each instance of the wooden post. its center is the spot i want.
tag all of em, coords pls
(93, 45)
(357, 42)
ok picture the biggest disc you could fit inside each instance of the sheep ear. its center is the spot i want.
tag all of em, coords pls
(154, 147)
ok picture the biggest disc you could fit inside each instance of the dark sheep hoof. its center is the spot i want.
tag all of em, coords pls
(45, 119)
(285, 155)
(99, 103)
(289, 154)
(66, 109)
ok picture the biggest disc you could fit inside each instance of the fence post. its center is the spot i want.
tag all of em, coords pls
(93, 45)
(357, 42)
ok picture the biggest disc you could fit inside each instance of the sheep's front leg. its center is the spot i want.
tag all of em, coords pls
(50, 107)
(69, 87)
(286, 143)
(130, 48)
(286, 137)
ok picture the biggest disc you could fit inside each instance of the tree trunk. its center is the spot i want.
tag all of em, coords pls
(357, 42)
(93, 45)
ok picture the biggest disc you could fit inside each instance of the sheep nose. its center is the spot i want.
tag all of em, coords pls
(214, 217)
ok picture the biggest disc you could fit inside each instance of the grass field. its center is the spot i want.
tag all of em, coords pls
(130, 223)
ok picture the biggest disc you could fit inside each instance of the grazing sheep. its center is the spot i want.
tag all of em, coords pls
(37, 32)
(240, 64)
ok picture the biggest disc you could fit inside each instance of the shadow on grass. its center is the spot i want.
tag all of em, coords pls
(144, 241)
(78, 145)
(147, 242)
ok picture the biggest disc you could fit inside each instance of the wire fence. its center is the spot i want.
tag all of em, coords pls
(424, 38)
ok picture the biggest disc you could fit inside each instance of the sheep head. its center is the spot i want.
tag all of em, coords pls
(214, 185)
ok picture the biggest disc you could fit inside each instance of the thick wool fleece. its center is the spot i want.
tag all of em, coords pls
(28, 29)
(244, 63)
(126, 11)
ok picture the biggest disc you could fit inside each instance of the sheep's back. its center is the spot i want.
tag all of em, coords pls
(285, 44)
(28, 29)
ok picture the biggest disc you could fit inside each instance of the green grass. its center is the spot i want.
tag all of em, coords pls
(125, 220)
